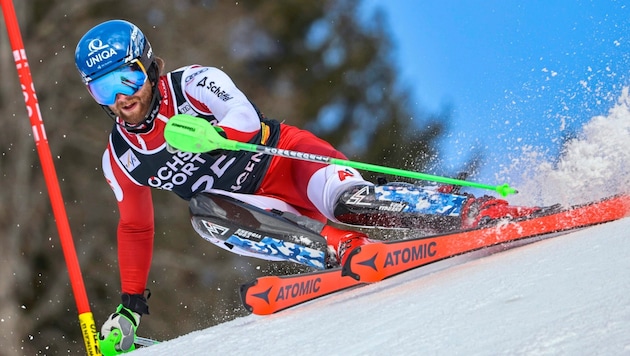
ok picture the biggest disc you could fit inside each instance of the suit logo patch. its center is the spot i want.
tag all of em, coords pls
(129, 160)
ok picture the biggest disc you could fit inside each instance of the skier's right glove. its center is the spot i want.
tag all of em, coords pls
(118, 333)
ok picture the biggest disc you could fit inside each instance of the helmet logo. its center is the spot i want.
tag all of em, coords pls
(96, 45)
(98, 52)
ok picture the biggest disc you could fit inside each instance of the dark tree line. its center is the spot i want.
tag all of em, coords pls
(312, 64)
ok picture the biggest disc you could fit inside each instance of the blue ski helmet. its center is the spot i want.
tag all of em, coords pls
(109, 45)
(108, 48)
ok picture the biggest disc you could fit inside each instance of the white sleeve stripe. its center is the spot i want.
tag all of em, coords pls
(108, 172)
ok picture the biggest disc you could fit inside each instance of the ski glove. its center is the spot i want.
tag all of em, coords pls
(118, 333)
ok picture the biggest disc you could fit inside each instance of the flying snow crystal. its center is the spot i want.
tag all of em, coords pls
(591, 166)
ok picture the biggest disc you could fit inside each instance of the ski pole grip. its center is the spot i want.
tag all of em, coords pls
(108, 345)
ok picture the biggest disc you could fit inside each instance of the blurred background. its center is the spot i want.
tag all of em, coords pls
(436, 86)
(317, 65)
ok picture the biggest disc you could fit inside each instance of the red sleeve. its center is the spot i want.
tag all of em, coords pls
(135, 228)
(135, 239)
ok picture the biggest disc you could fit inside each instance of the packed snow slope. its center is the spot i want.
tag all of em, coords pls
(567, 295)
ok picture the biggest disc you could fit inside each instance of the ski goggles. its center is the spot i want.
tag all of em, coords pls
(126, 79)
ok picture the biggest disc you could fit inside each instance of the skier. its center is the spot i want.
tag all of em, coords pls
(121, 72)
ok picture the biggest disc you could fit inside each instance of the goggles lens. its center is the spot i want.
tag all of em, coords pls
(126, 80)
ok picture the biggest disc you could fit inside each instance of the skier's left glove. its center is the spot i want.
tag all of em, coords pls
(118, 333)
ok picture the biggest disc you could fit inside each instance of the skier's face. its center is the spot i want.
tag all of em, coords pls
(133, 108)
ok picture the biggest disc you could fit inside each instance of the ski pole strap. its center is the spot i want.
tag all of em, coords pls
(192, 134)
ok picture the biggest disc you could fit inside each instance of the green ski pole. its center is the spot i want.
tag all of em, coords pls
(192, 134)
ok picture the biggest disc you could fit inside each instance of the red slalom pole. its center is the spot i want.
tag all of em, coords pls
(86, 320)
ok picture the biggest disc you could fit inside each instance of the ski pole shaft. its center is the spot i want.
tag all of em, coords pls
(192, 134)
(145, 341)
(86, 319)
(233, 145)
(501, 189)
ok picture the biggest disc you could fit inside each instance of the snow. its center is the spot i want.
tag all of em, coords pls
(568, 294)
(593, 165)
(564, 295)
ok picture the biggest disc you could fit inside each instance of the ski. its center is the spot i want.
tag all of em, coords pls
(271, 294)
(380, 260)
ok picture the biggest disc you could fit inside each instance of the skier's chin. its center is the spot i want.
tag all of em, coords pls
(133, 116)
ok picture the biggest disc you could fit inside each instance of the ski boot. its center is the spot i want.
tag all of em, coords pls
(488, 210)
(400, 205)
(343, 241)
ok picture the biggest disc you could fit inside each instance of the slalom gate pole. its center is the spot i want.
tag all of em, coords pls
(86, 320)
